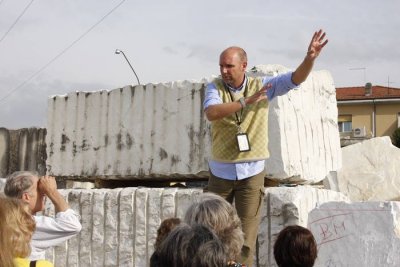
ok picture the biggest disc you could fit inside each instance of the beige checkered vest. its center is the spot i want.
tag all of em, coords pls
(254, 123)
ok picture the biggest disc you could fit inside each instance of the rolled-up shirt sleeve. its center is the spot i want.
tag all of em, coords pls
(212, 96)
(281, 84)
(53, 231)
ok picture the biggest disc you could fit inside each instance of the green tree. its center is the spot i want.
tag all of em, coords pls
(396, 137)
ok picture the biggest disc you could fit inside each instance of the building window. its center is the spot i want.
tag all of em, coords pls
(398, 120)
(344, 123)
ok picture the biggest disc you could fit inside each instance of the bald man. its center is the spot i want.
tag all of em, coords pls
(237, 106)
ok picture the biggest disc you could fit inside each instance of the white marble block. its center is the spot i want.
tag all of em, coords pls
(304, 140)
(2, 184)
(161, 130)
(145, 131)
(119, 226)
(371, 171)
(357, 234)
(285, 206)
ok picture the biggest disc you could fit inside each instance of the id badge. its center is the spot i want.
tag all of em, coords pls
(243, 142)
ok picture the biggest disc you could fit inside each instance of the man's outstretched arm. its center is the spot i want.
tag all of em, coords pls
(219, 111)
(316, 45)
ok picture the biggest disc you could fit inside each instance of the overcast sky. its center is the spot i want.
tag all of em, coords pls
(52, 47)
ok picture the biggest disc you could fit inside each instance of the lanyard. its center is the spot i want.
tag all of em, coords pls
(238, 118)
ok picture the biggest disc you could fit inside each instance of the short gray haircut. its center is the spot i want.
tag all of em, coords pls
(18, 183)
(219, 215)
(195, 245)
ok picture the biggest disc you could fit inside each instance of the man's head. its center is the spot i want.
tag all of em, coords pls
(24, 185)
(232, 64)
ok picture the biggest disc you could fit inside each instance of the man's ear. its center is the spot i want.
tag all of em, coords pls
(244, 65)
(25, 197)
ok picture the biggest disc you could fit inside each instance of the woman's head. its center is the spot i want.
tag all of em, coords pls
(219, 215)
(165, 228)
(188, 246)
(16, 229)
(295, 246)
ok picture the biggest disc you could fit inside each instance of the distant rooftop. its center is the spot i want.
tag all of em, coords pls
(363, 93)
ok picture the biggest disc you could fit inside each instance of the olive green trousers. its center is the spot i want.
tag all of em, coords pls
(248, 195)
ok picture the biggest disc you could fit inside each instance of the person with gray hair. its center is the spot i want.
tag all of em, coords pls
(219, 215)
(33, 190)
(190, 246)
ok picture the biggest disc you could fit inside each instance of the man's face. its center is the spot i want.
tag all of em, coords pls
(232, 68)
(34, 197)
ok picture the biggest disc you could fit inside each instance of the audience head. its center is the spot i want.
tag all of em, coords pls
(16, 228)
(165, 228)
(190, 246)
(24, 185)
(295, 246)
(219, 215)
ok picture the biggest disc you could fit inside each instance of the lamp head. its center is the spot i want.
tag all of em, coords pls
(117, 51)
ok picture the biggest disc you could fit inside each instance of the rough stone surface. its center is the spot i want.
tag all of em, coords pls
(127, 213)
(304, 138)
(285, 206)
(2, 184)
(85, 237)
(79, 185)
(357, 234)
(111, 228)
(119, 226)
(22, 149)
(370, 171)
(4, 151)
(98, 224)
(89, 133)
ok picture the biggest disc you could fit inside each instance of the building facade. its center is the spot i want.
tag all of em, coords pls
(367, 112)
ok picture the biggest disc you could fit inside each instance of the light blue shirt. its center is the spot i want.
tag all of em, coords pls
(281, 84)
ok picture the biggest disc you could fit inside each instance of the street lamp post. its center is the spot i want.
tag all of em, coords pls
(118, 51)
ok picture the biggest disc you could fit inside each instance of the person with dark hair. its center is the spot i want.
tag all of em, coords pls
(190, 246)
(295, 246)
(32, 190)
(165, 228)
(237, 107)
(220, 216)
(16, 228)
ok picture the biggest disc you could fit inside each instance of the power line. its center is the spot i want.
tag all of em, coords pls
(15, 22)
(62, 52)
